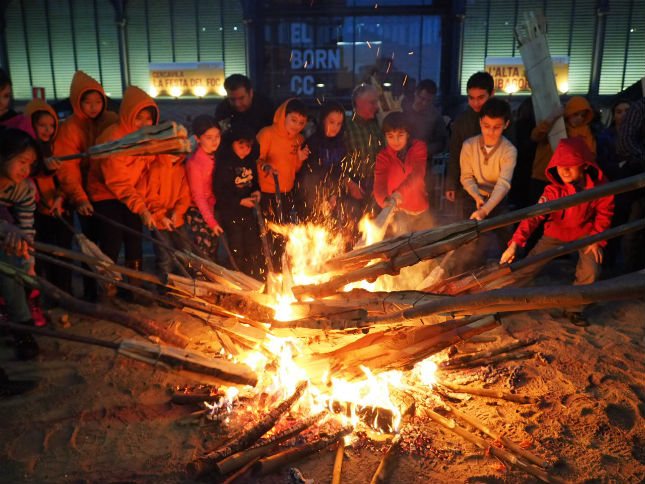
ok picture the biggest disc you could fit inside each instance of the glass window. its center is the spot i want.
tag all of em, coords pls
(326, 57)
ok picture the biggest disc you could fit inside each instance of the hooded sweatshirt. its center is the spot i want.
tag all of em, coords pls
(234, 179)
(576, 222)
(168, 189)
(540, 135)
(45, 181)
(405, 176)
(123, 177)
(280, 151)
(77, 133)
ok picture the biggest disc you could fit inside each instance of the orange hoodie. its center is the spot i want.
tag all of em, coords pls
(44, 182)
(123, 177)
(168, 189)
(540, 135)
(77, 134)
(280, 151)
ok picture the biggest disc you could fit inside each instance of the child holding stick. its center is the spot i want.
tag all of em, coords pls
(399, 176)
(571, 170)
(18, 154)
(237, 191)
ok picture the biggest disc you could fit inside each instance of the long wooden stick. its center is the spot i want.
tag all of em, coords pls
(451, 425)
(338, 462)
(483, 355)
(384, 468)
(508, 443)
(489, 392)
(140, 325)
(630, 286)
(275, 462)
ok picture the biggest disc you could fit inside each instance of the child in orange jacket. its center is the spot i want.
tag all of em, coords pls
(75, 135)
(49, 228)
(117, 185)
(169, 198)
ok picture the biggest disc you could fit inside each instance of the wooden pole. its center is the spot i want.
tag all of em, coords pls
(338, 462)
(489, 392)
(458, 361)
(140, 325)
(630, 286)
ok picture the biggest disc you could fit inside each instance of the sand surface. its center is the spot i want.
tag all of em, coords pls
(97, 417)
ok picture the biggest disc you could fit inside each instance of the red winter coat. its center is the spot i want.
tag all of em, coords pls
(408, 178)
(576, 222)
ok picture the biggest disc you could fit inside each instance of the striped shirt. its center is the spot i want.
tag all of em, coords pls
(20, 200)
(363, 141)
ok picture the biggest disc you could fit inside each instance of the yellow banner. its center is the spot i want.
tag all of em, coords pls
(177, 79)
(510, 77)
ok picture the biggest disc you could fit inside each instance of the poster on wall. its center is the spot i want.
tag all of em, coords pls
(510, 77)
(178, 79)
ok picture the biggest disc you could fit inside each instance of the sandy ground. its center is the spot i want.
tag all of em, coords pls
(96, 417)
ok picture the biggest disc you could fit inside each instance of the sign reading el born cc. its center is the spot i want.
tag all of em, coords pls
(307, 59)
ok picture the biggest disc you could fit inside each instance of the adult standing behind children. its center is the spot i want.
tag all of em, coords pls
(424, 119)
(571, 170)
(237, 191)
(363, 141)
(282, 152)
(243, 105)
(399, 176)
(480, 87)
(200, 168)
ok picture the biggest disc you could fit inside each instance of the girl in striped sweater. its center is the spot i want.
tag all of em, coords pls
(18, 154)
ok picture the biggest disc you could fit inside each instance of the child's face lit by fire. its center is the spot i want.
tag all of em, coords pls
(333, 123)
(242, 148)
(18, 168)
(92, 104)
(5, 98)
(294, 123)
(571, 174)
(44, 127)
(209, 141)
(577, 119)
(492, 129)
(397, 139)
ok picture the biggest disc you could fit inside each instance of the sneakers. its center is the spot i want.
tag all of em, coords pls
(10, 388)
(35, 310)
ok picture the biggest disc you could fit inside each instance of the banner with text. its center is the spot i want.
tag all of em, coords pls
(193, 78)
(509, 75)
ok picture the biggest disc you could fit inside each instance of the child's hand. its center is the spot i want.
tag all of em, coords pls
(85, 208)
(596, 250)
(16, 243)
(269, 170)
(354, 190)
(303, 153)
(257, 196)
(175, 218)
(167, 224)
(147, 219)
(218, 230)
(248, 202)
(57, 206)
(52, 164)
(450, 195)
(479, 214)
(480, 203)
(509, 254)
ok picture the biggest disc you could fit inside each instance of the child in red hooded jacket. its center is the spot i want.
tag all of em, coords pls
(571, 169)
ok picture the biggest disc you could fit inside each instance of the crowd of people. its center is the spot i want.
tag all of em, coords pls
(253, 161)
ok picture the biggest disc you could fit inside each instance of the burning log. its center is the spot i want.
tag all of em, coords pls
(221, 274)
(167, 357)
(142, 326)
(630, 286)
(411, 248)
(263, 448)
(274, 462)
(476, 281)
(348, 319)
(508, 443)
(451, 425)
(490, 393)
(522, 355)
(400, 350)
(207, 463)
(387, 461)
(460, 361)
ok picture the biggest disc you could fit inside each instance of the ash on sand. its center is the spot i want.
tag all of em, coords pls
(95, 417)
